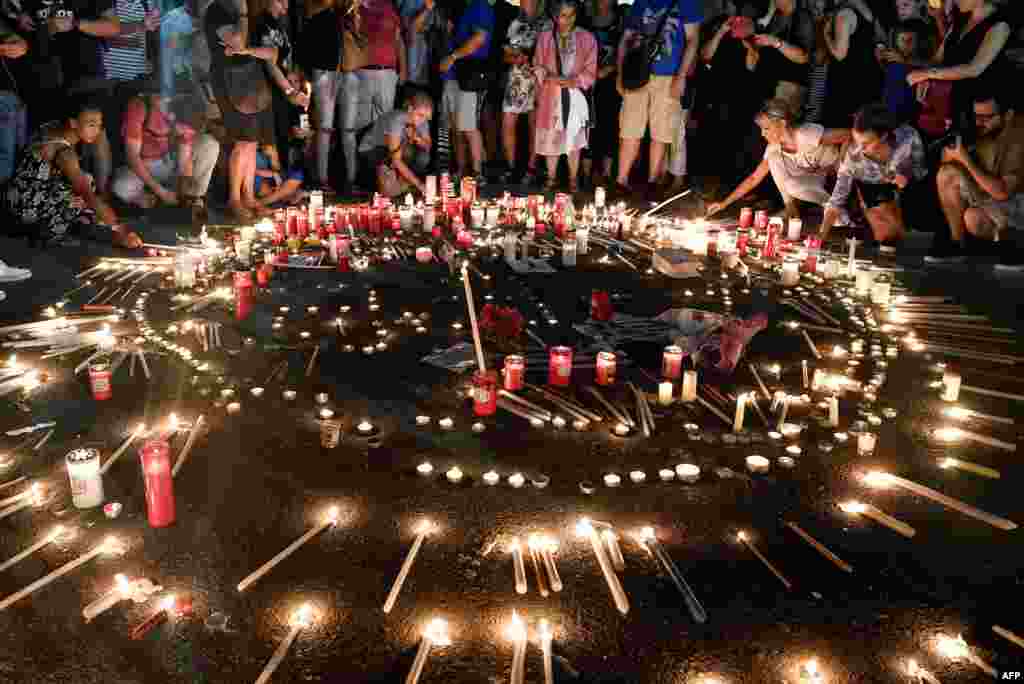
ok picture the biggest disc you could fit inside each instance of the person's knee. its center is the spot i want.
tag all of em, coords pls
(126, 186)
(976, 222)
(949, 176)
(206, 147)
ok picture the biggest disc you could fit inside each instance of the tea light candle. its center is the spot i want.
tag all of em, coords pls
(256, 392)
(687, 472)
(234, 407)
(637, 476)
(454, 474)
(950, 386)
(516, 480)
(758, 464)
(621, 429)
(321, 397)
(558, 422)
(665, 390)
(612, 480)
(866, 443)
(326, 414)
(289, 395)
(365, 427)
(787, 462)
(446, 423)
(579, 424)
(426, 468)
(491, 478)
(841, 437)
(794, 450)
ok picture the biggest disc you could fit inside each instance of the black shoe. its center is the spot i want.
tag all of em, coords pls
(945, 255)
(1011, 261)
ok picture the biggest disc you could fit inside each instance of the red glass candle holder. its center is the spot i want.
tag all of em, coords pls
(560, 366)
(155, 456)
(672, 362)
(515, 370)
(605, 368)
(485, 393)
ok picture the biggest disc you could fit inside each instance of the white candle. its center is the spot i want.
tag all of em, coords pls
(952, 434)
(960, 413)
(866, 443)
(803, 367)
(301, 619)
(667, 474)
(881, 479)
(612, 480)
(454, 474)
(109, 545)
(18, 557)
(119, 593)
(185, 450)
(548, 547)
(425, 527)
(124, 447)
(833, 412)
(687, 472)
(614, 550)
(758, 464)
(869, 511)
(330, 521)
(491, 478)
(519, 567)
(796, 226)
(810, 343)
(585, 528)
(637, 476)
(517, 633)
(820, 548)
(665, 390)
(689, 385)
(33, 496)
(743, 539)
(436, 634)
(516, 480)
(969, 467)
(790, 273)
(649, 540)
(546, 637)
(426, 468)
(950, 386)
(741, 405)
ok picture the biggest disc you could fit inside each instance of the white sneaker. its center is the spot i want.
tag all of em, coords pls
(9, 274)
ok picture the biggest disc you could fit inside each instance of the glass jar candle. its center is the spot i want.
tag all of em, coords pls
(604, 373)
(747, 217)
(515, 369)
(672, 362)
(156, 470)
(485, 393)
(866, 443)
(100, 381)
(560, 366)
(84, 475)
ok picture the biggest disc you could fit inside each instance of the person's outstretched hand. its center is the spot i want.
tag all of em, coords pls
(127, 239)
(714, 208)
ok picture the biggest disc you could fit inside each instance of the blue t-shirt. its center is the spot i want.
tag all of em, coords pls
(645, 16)
(898, 94)
(479, 16)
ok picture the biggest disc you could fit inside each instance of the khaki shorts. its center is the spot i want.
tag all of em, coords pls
(651, 104)
(1003, 214)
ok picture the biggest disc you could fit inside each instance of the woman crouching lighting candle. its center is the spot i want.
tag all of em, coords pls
(435, 634)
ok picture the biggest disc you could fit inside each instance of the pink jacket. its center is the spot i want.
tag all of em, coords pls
(583, 75)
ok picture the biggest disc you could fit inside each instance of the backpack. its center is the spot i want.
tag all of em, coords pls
(638, 60)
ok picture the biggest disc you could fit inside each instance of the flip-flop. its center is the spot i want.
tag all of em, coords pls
(9, 274)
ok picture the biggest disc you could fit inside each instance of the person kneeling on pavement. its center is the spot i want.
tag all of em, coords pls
(49, 193)
(885, 167)
(167, 161)
(397, 147)
(800, 158)
(980, 188)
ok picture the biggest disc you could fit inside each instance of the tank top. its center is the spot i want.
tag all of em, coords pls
(856, 80)
(961, 49)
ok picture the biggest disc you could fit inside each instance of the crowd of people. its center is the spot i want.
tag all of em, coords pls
(893, 114)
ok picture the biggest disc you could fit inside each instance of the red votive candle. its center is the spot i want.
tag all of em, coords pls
(605, 370)
(746, 217)
(99, 381)
(485, 393)
(156, 471)
(515, 368)
(560, 366)
(672, 362)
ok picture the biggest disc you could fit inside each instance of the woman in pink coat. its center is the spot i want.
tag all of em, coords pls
(563, 74)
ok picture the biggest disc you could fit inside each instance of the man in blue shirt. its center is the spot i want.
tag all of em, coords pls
(658, 102)
(471, 42)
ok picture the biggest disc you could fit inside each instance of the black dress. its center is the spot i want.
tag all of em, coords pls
(270, 32)
(855, 81)
(961, 49)
(240, 84)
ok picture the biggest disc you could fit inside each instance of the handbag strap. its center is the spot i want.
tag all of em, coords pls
(558, 52)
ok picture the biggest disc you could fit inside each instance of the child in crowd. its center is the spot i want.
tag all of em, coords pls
(272, 183)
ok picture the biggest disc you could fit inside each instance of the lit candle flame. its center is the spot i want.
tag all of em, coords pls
(855, 507)
(954, 649)
(584, 527)
(172, 422)
(741, 536)
(436, 632)
(168, 602)
(876, 478)
(332, 515)
(123, 585)
(516, 630)
(949, 434)
(425, 526)
(57, 532)
(303, 616)
(545, 630)
(957, 413)
(647, 534)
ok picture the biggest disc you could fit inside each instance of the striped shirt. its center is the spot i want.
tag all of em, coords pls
(124, 57)
(814, 110)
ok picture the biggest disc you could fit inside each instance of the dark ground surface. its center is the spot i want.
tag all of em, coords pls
(258, 480)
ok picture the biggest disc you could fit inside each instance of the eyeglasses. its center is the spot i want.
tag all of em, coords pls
(985, 117)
